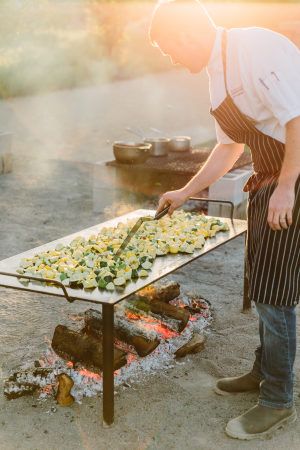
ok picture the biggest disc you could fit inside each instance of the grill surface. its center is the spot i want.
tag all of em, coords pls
(161, 267)
(185, 164)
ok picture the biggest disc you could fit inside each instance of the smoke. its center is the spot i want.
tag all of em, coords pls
(55, 44)
(48, 45)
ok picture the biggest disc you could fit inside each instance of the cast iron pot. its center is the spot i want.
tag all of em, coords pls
(131, 152)
(159, 146)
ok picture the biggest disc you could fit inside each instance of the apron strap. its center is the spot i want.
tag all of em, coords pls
(224, 58)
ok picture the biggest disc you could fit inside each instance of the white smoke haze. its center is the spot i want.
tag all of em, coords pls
(49, 45)
(56, 44)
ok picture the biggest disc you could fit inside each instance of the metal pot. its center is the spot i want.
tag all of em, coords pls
(131, 152)
(159, 146)
(180, 144)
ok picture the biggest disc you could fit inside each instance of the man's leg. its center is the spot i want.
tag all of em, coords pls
(275, 405)
(278, 355)
(244, 383)
(256, 369)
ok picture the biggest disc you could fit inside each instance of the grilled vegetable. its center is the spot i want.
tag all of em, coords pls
(90, 263)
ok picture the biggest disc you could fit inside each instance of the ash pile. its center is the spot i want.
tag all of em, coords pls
(153, 329)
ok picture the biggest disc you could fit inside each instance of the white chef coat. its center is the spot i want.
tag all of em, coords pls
(263, 78)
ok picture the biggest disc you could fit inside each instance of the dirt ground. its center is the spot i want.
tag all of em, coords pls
(44, 199)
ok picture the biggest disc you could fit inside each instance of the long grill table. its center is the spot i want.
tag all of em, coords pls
(161, 267)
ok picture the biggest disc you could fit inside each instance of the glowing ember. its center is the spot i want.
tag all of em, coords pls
(151, 324)
(89, 374)
(124, 346)
(162, 330)
(47, 390)
(131, 357)
(178, 302)
(193, 318)
(133, 316)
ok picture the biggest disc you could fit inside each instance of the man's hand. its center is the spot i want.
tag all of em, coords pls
(283, 199)
(280, 214)
(173, 198)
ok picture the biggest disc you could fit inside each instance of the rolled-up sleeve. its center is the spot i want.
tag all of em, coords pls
(222, 137)
(277, 79)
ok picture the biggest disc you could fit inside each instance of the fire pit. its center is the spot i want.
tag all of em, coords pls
(153, 329)
(162, 267)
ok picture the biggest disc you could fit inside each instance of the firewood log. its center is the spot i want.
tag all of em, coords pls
(160, 291)
(165, 310)
(125, 330)
(171, 311)
(25, 382)
(65, 384)
(83, 348)
(195, 345)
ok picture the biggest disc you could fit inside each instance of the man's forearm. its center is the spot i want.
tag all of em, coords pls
(291, 165)
(219, 162)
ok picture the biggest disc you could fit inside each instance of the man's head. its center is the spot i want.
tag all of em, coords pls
(183, 30)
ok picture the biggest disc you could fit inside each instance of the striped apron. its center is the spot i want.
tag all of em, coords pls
(273, 257)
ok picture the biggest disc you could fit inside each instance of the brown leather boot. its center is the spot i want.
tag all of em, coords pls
(259, 422)
(233, 385)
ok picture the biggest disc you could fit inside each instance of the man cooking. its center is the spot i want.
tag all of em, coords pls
(254, 78)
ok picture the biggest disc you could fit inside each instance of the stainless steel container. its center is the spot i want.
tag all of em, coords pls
(131, 152)
(159, 146)
(180, 144)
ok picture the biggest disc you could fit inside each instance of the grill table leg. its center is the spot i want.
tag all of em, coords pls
(108, 365)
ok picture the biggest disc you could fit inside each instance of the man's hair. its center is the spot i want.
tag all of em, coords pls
(173, 16)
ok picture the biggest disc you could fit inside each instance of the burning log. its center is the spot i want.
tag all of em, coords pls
(65, 384)
(83, 348)
(171, 311)
(143, 342)
(195, 345)
(154, 299)
(158, 292)
(165, 310)
(13, 390)
(26, 382)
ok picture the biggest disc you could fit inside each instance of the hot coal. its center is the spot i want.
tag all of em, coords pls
(26, 382)
(197, 305)
(43, 375)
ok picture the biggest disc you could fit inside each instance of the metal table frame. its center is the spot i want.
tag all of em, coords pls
(108, 307)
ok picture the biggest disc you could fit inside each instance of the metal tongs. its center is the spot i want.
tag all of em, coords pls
(137, 225)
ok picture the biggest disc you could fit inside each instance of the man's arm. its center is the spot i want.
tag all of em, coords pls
(283, 199)
(220, 161)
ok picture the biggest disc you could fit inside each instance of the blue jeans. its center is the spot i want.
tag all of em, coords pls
(276, 355)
